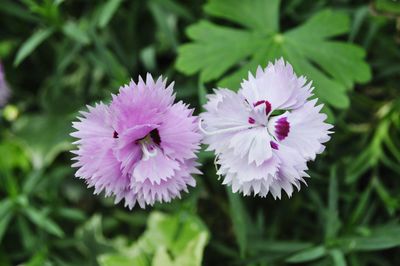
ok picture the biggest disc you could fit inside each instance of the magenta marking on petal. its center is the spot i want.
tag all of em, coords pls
(251, 120)
(115, 135)
(267, 107)
(258, 103)
(282, 128)
(274, 145)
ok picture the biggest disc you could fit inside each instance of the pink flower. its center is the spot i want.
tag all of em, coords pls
(141, 148)
(4, 90)
(264, 135)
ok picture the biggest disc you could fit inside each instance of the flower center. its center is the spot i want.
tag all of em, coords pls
(267, 105)
(149, 144)
(281, 128)
(155, 136)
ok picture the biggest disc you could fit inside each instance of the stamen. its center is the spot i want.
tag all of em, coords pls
(223, 131)
(251, 120)
(146, 153)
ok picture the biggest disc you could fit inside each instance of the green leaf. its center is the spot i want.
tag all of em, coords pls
(362, 204)
(162, 258)
(333, 66)
(390, 202)
(322, 25)
(14, 8)
(176, 8)
(214, 44)
(16, 157)
(5, 216)
(172, 239)
(45, 136)
(202, 93)
(238, 216)
(259, 15)
(107, 12)
(384, 237)
(332, 214)
(31, 44)
(192, 254)
(39, 259)
(338, 257)
(32, 181)
(91, 241)
(166, 30)
(148, 57)
(307, 255)
(121, 260)
(278, 246)
(359, 165)
(75, 32)
(388, 6)
(44, 222)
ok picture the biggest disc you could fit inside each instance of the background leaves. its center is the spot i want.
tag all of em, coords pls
(332, 65)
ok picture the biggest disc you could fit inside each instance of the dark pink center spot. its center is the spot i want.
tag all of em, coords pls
(282, 128)
(274, 145)
(251, 120)
(267, 105)
(258, 103)
(115, 135)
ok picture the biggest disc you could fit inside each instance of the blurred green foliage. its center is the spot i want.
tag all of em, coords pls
(216, 48)
(60, 55)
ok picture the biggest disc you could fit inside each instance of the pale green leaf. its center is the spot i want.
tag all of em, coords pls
(259, 15)
(338, 257)
(120, 260)
(214, 43)
(45, 136)
(307, 255)
(44, 222)
(238, 216)
(384, 237)
(333, 223)
(107, 12)
(162, 258)
(168, 240)
(192, 254)
(322, 25)
(74, 31)
(31, 44)
(215, 50)
(5, 216)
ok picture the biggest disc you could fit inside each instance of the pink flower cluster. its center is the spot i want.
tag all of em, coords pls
(264, 134)
(142, 147)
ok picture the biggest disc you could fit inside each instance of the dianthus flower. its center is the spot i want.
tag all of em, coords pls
(264, 134)
(141, 148)
(4, 90)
